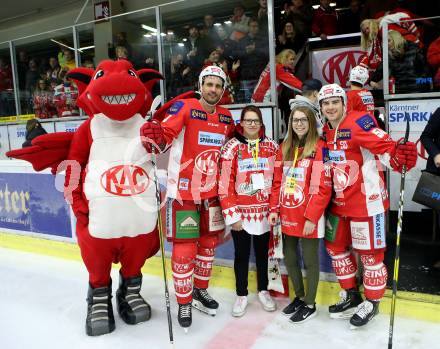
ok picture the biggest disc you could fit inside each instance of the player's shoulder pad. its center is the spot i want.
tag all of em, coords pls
(365, 122)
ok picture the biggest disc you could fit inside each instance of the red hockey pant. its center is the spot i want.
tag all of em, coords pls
(367, 237)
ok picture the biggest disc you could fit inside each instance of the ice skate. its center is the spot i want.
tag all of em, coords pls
(131, 306)
(346, 306)
(204, 302)
(100, 319)
(365, 312)
(184, 316)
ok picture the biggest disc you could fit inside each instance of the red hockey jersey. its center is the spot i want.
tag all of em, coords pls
(293, 188)
(352, 149)
(196, 137)
(242, 166)
(284, 77)
(360, 100)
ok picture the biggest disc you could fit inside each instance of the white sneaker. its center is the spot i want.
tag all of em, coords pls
(240, 305)
(266, 301)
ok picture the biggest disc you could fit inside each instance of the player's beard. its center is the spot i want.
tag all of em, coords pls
(212, 100)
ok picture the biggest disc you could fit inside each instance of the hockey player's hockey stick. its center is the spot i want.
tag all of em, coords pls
(397, 256)
(162, 250)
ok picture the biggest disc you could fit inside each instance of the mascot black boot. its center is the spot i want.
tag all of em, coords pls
(131, 306)
(100, 319)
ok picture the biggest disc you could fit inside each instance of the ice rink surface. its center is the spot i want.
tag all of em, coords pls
(43, 305)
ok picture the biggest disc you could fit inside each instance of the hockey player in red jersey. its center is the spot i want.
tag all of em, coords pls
(195, 129)
(359, 98)
(359, 202)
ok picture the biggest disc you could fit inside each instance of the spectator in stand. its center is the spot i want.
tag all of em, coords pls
(406, 64)
(284, 75)
(261, 16)
(121, 53)
(196, 50)
(216, 59)
(228, 46)
(68, 60)
(433, 57)
(88, 63)
(32, 76)
(240, 23)
(430, 139)
(54, 69)
(371, 35)
(351, 18)
(290, 39)
(22, 67)
(325, 20)
(254, 55)
(120, 40)
(210, 31)
(359, 98)
(6, 88)
(300, 13)
(181, 76)
(44, 107)
(33, 130)
(65, 96)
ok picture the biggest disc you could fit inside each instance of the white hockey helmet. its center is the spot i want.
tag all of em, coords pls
(332, 90)
(212, 70)
(359, 74)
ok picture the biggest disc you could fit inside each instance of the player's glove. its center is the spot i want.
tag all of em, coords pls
(405, 154)
(152, 136)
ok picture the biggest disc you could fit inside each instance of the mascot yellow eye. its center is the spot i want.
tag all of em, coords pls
(99, 74)
(132, 73)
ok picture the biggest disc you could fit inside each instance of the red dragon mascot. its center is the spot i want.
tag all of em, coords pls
(110, 185)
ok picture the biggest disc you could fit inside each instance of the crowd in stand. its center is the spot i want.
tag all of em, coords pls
(240, 46)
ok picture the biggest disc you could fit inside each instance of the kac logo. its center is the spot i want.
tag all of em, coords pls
(340, 179)
(337, 68)
(125, 180)
(295, 199)
(207, 162)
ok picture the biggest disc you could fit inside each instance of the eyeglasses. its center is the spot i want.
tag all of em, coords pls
(249, 122)
(301, 121)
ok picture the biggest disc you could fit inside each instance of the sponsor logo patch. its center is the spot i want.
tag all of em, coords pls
(360, 235)
(246, 165)
(344, 133)
(211, 139)
(224, 119)
(366, 122)
(297, 173)
(379, 230)
(187, 225)
(198, 114)
(337, 156)
(175, 108)
(183, 183)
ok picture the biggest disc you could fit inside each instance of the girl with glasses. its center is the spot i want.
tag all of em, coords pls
(293, 184)
(247, 163)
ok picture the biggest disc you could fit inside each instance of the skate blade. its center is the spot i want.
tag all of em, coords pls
(354, 328)
(343, 315)
(186, 329)
(199, 306)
